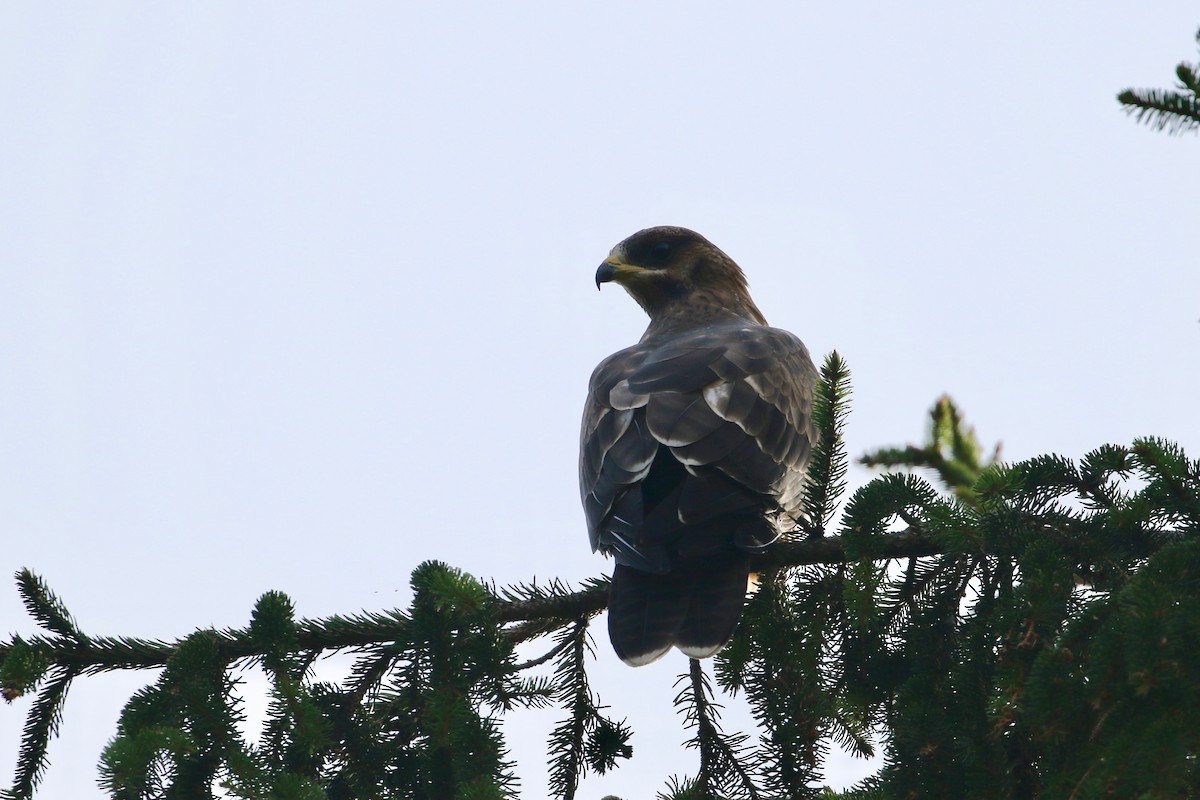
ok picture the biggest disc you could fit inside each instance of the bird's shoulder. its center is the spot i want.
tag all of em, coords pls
(698, 358)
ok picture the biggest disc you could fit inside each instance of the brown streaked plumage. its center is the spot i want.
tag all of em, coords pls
(693, 447)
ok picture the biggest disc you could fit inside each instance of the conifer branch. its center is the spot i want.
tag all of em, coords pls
(44, 606)
(41, 725)
(828, 465)
(103, 653)
(1174, 112)
(369, 671)
(567, 740)
(1165, 466)
(1177, 111)
(952, 452)
(542, 659)
(722, 771)
(586, 739)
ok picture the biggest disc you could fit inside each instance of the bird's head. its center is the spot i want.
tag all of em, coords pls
(669, 268)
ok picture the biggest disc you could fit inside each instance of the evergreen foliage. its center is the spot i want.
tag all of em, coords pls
(1178, 110)
(1025, 631)
(585, 738)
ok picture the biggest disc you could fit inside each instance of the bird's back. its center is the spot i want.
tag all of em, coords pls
(692, 456)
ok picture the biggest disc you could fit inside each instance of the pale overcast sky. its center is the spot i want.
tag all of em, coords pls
(298, 296)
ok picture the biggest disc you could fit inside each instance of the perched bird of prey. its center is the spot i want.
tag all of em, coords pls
(693, 447)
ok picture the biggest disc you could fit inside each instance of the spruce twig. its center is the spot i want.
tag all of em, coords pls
(567, 741)
(828, 464)
(41, 725)
(722, 771)
(45, 606)
(953, 452)
(1176, 111)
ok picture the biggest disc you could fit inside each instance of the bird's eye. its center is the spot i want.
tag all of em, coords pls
(661, 251)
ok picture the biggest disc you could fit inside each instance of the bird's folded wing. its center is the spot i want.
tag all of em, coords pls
(734, 398)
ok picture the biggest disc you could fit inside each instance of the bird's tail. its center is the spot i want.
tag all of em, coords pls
(694, 607)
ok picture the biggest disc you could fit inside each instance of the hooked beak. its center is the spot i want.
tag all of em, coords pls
(613, 269)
